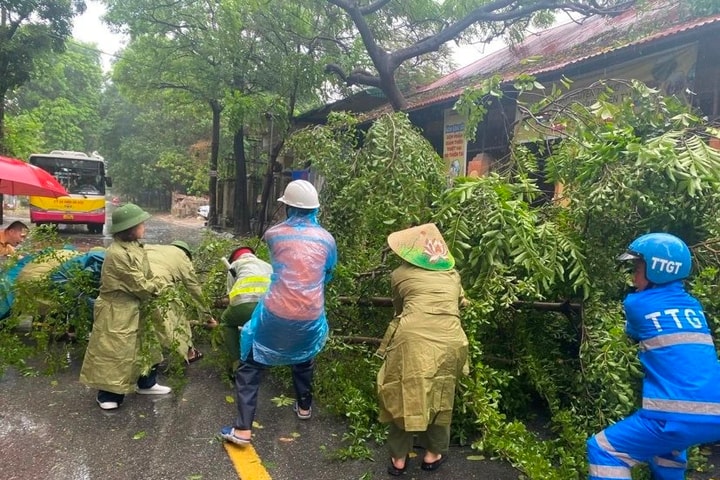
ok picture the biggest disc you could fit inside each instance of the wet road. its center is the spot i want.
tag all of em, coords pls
(51, 428)
(160, 228)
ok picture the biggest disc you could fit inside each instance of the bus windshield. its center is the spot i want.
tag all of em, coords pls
(78, 176)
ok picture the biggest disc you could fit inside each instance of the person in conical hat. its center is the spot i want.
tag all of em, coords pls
(422, 246)
(424, 348)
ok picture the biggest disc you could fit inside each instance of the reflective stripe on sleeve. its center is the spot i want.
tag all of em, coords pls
(676, 339)
(681, 406)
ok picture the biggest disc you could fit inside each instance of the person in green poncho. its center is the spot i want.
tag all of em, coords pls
(173, 264)
(111, 362)
(424, 348)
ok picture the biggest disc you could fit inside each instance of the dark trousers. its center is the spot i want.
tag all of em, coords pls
(145, 381)
(247, 384)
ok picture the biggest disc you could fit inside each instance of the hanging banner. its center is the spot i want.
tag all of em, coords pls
(454, 145)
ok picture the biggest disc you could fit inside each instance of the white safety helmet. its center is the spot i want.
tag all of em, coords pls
(300, 194)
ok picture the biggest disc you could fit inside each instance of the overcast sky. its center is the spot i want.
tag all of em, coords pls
(90, 29)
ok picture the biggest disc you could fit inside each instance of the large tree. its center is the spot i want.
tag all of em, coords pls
(250, 61)
(172, 55)
(394, 32)
(29, 30)
(63, 98)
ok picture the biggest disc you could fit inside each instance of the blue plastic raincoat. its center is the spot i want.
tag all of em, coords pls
(289, 324)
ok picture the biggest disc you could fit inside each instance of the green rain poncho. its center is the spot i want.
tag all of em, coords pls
(173, 266)
(425, 349)
(112, 356)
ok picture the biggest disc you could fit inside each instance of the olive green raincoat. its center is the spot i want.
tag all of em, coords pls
(172, 265)
(112, 357)
(425, 349)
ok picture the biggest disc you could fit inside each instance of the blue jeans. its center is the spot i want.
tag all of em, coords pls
(247, 384)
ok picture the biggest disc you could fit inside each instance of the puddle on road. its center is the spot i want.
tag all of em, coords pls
(157, 230)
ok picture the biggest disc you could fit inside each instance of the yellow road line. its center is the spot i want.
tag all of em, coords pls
(247, 462)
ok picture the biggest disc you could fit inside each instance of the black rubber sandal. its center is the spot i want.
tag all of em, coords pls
(396, 472)
(194, 355)
(432, 466)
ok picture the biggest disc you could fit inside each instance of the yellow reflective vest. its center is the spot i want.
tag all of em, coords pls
(250, 279)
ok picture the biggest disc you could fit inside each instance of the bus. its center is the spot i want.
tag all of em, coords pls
(83, 176)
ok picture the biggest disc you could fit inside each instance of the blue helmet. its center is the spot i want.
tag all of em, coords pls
(667, 258)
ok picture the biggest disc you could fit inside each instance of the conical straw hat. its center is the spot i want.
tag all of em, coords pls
(423, 246)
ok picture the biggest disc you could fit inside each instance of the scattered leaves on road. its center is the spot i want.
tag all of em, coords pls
(282, 401)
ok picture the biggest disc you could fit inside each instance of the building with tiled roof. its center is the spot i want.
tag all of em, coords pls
(658, 44)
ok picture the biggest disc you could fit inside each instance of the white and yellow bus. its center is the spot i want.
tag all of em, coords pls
(84, 178)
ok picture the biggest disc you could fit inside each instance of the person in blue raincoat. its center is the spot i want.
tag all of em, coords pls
(288, 326)
(680, 396)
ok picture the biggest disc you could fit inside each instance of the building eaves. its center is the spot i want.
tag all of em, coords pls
(569, 46)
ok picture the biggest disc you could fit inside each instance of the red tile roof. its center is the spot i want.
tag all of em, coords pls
(558, 48)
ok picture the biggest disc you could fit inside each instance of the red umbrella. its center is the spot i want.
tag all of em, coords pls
(20, 178)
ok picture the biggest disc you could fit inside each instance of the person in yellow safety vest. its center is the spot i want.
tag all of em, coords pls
(248, 279)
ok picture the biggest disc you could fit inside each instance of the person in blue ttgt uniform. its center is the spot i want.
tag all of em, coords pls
(680, 398)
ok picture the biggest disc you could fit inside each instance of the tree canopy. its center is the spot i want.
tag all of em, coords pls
(29, 30)
(424, 26)
(246, 61)
(63, 98)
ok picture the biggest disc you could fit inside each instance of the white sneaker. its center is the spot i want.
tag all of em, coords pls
(156, 389)
(107, 405)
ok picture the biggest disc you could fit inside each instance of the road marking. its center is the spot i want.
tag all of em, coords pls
(247, 462)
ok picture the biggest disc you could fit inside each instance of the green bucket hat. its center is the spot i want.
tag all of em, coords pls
(183, 246)
(127, 216)
(423, 246)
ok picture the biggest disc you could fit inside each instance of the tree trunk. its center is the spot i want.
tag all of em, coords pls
(214, 152)
(267, 184)
(241, 219)
(389, 87)
(2, 148)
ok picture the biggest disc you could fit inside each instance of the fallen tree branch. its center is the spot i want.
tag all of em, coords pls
(563, 307)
